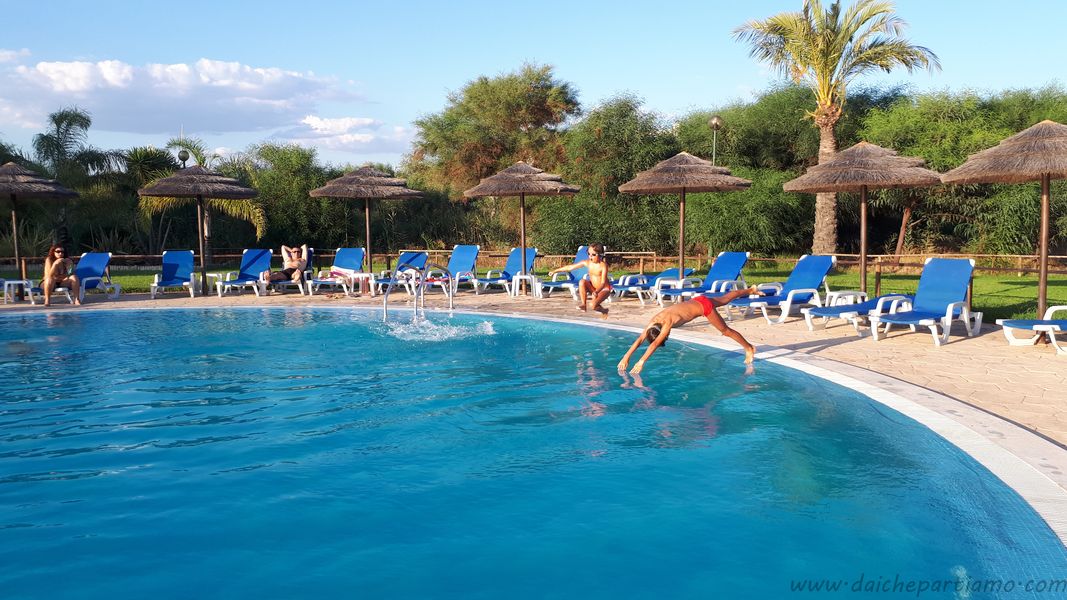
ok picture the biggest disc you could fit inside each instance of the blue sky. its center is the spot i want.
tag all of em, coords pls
(349, 78)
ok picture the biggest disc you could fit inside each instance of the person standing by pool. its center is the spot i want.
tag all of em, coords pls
(659, 327)
(294, 261)
(598, 284)
(59, 272)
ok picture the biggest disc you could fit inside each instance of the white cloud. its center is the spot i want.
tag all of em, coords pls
(207, 96)
(358, 135)
(13, 55)
(336, 126)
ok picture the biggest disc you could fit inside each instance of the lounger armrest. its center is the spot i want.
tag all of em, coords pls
(845, 297)
(725, 285)
(561, 276)
(1053, 310)
(773, 285)
(662, 283)
(633, 279)
(893, 302)
(438, 273)
(95, 280)
(499, 273)
(951, 309)
(691, 282)
(816, 300)
(228, 275)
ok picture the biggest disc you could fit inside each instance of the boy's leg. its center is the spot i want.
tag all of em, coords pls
(584, 289)
(733, 295)
(717, 322)
(601, 295)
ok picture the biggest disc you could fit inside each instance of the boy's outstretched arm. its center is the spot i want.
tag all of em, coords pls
(652, 347)
(567, 268)
(625, 362)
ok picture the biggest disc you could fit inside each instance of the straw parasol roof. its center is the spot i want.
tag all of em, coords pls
(680, 174)
(24, 183)
(684, 171)
(193, 182)
(864, 165)
(859, 168)
(1038, 153)
(1026, 156)
(368, 184)
(522, 179)
(365, 182)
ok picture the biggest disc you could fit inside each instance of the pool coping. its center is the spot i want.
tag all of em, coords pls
(1030, 464)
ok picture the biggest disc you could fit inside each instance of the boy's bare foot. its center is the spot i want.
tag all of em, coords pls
(48, 304)
(581, 307)
(601, 309)
(755, 291)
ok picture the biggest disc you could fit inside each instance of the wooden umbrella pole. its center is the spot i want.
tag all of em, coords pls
(366, 239)
(1042, 281)
(200, 236)
(522, 239)
(863, 239)
(681, 235)
(15, 239)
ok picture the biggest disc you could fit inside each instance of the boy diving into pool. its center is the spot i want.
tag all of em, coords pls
(659, 327)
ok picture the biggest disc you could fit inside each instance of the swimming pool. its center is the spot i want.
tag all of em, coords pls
(303, 452)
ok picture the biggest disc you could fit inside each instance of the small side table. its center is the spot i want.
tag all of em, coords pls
(11, 284)
(530, 278)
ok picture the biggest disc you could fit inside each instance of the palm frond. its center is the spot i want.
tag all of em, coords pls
(249, 211)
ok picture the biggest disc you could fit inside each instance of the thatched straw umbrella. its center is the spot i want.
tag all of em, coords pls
(198, 182)
(680, 174)
(858, 169)
(1035, 154)
(25, 184)
(368, 184)
(522, 179)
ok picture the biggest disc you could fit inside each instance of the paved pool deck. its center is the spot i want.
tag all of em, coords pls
(1005, 405)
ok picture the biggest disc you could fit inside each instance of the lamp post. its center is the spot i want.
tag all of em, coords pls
(716, 124)
(183, 155)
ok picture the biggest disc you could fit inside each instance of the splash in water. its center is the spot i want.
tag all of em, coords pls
(424, 330)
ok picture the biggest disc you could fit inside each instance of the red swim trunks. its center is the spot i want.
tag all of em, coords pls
(706, 303)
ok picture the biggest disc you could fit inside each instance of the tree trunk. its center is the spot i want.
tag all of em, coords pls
(825, 239)
(904, 228)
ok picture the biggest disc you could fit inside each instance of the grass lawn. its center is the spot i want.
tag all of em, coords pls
(999, 296)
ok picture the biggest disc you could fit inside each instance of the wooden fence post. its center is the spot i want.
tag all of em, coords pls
(878, 276)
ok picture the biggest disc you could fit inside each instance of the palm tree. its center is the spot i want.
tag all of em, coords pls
(825, 49)
(249, 211)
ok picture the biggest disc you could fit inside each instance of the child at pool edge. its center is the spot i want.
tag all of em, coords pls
(598, 283)
(659, 327)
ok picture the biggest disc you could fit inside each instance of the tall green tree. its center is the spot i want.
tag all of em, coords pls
(64, 150)
(491, 123)
(827, 48)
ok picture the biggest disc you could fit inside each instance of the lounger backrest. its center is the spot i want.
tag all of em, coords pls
(727, 266)
(944, 281)
(463, 259)
(411, 260)
(531, 255)
(808, 273)
(253, 262)
(581, 254)
(177, 265)
(349, 258)
(92, 264)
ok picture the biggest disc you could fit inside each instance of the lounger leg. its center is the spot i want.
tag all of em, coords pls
(942, 338)
(975, 324)
(810, 323)
(151, 292)
(1060, 350)
(1018, 341)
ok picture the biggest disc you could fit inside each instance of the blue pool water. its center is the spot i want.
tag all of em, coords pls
(320, 453)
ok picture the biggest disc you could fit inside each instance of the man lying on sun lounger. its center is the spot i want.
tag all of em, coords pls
(659, 328)
(599, 282)
(294, 261)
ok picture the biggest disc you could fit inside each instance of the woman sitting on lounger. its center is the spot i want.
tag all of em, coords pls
(659, 328)
(294, 261)
(59, 272)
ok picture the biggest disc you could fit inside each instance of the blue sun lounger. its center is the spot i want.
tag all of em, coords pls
(347, 266)
(853, 307)
(253, 263)
(506, 277)
(801, 288)
(178, 271)
(645, 285)
(409, 266)
(723, 275)
(569, 280)
(1046, 326)
(940, 300)
(462, 264)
